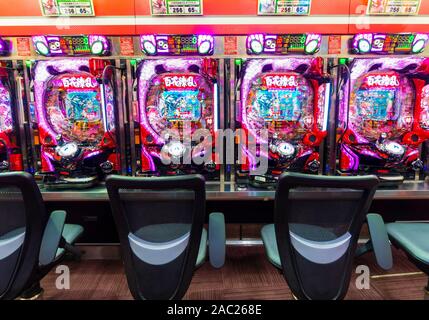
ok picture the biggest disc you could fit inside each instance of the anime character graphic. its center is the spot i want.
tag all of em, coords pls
(376, 6)
(267, 6)
(50, 7)
(159, 7)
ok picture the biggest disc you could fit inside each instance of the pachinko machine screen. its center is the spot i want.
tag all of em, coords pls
(279, 105)
(287, 101)
(76, 121)
(181, 105)
(74, 108)
(177, 98)
(375, 104)
(384, 119)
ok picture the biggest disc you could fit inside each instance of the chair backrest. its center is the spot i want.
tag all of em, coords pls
(317, 230)
(22, 221)
(160, 222)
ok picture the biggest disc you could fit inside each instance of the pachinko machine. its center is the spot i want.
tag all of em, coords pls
(177, 114)
(283, 104)
(75, 116)
(384, 107)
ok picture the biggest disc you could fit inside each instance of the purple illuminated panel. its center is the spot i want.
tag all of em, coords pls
(378, 43)
(6, 123)
(4, 47)
(70, 102)
(283, 44)
(177, 45)
(290, 100)
(177, 99)
(51, 46)
(379, 111)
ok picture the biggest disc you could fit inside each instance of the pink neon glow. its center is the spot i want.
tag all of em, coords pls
(254, 70)
(6, 123)
(43, 76)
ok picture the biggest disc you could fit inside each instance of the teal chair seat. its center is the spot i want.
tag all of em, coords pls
(310, 232)
(161, 233)
(412, 238)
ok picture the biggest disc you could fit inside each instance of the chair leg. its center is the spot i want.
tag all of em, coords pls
(365, 248)
(77, 254)
(35, 292)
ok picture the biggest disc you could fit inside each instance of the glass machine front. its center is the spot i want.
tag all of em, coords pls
(10, 150)
(283, 101)
(177, 102)
(384, 119)
(178, 107)
(75, 110)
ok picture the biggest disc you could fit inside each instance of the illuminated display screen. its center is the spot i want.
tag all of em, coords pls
(279, 105)
(182, 105)
(283, 44)
(182, 44)
(290, 43)
(389, 43)
(171, 45)
(71, 45)
(83, 106)
(376, 104)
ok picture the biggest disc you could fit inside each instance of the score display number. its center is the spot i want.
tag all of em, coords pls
(76, 8)
(393, 7)
(176, 7)
(284, 7)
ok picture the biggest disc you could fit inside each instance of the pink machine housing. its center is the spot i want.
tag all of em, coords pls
(177, 97)
(290, 98)
(385, 117)
(76, 122)
(10, 152)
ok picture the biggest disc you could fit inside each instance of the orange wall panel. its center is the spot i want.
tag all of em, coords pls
(250, 7)
(18, 8)
(354, 4)
(318, 21)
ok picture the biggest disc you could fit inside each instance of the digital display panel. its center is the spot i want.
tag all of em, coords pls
(83, 106)
(279, 105)
(182, 44)
(182, 105)
(71, 45)
(378, 43)
(283, 44)
(177, 45)
(376, 104)
(290, 43)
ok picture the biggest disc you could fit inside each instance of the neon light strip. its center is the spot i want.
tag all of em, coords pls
(215, 107)
(103, 101)
(327, 103)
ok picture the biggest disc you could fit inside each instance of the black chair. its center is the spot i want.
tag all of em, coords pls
(317, 221)
(160, 225)
(31, 240)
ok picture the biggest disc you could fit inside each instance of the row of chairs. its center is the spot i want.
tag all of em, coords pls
(160, 222)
